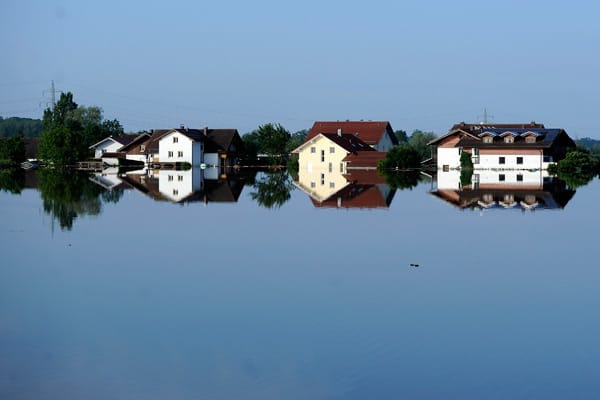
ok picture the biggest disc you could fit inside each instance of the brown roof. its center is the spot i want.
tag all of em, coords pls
(477, 128)
(370, 132)
(124, 139)
(221, 140)
(364, 159)
(357, 196)
(365, 177)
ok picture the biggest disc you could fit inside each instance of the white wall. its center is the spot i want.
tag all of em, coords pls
(177, 185)
(107, 146)
(492, 161)
(191, 150)
(448, 179)
(211, 159)
(448, 156)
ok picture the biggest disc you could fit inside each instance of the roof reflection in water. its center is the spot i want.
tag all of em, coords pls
(503, 189)
(361, 189)
(176, 186)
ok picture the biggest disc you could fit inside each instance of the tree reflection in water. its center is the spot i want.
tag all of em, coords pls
(12, 180)
(272, 189)
(68, 194)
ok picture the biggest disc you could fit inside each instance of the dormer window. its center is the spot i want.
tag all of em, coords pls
(488, 139)
(143, 148)
(530, 139)
(509, 139)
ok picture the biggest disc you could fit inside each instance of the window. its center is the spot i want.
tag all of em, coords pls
(330, 167)
(502, 160)
(475, 155)
(322, 155)
(501, 177)
(175, 139)
(488, 139)
(322, 179)
(313, 184)
(530, 139)
(342, 168)
(519, 178)
(180, 178)
(180, 154)
(332, 150)
(332, 185)
(446, 168)
(509, 139)
(143, 148)
(313, 149)
(170, 154)
(519, 160)
(175, 192)
(170, 178)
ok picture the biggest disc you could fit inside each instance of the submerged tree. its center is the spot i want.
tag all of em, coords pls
(272, 189)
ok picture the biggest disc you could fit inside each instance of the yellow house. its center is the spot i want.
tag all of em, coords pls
(322, 162)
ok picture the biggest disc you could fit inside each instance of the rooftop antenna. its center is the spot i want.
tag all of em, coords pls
(485, 116)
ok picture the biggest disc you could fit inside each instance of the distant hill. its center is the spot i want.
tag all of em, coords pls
(592, 145)
(28, 127)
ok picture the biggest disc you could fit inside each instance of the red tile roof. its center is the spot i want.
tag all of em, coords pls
(356, 196)
(370, 132)
(364, 159)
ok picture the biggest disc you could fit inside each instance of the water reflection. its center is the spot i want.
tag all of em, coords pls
(272, 189)
(176, 186)
(502, 189)
(67, 194)
(358, 188)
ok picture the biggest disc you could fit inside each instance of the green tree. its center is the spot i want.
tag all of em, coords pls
(12, 149)
(401, 136)
(400, 157)
(418, 140)
(272, 189)
(295, 140)
(14, 126)
(577, 168)
(272, 141)
(69, 130)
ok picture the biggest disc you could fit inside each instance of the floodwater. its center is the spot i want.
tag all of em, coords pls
(164, 284)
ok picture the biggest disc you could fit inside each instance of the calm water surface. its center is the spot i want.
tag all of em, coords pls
(124, 294)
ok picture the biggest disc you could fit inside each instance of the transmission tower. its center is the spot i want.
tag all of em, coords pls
(53, 92)
(486, 117)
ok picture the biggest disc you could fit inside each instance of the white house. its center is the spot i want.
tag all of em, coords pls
(502, 146)
(111, 144)
(182, 145)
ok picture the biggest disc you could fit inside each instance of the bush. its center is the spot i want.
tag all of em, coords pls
(401, 157)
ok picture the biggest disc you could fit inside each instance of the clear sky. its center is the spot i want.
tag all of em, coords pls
(237, 64)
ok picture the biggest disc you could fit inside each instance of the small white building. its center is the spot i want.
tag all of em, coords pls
(111, 144)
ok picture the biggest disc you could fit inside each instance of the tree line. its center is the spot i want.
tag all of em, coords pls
(16, 126)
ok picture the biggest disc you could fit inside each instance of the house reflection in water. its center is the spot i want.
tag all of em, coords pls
(503, 189)
(362, 188)
(177, 186)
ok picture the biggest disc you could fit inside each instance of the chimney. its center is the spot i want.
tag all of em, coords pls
(181, 126)
(339, 132)
(205, 131)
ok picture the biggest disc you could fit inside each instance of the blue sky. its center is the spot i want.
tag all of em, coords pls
(419, 64)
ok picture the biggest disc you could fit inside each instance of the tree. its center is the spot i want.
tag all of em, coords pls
(401, 136)
(69, 130)
(271, 139)
(400, 157)
(12, 149)
(295, 140)
(577, 168)
(272, 189)
(418, 140)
